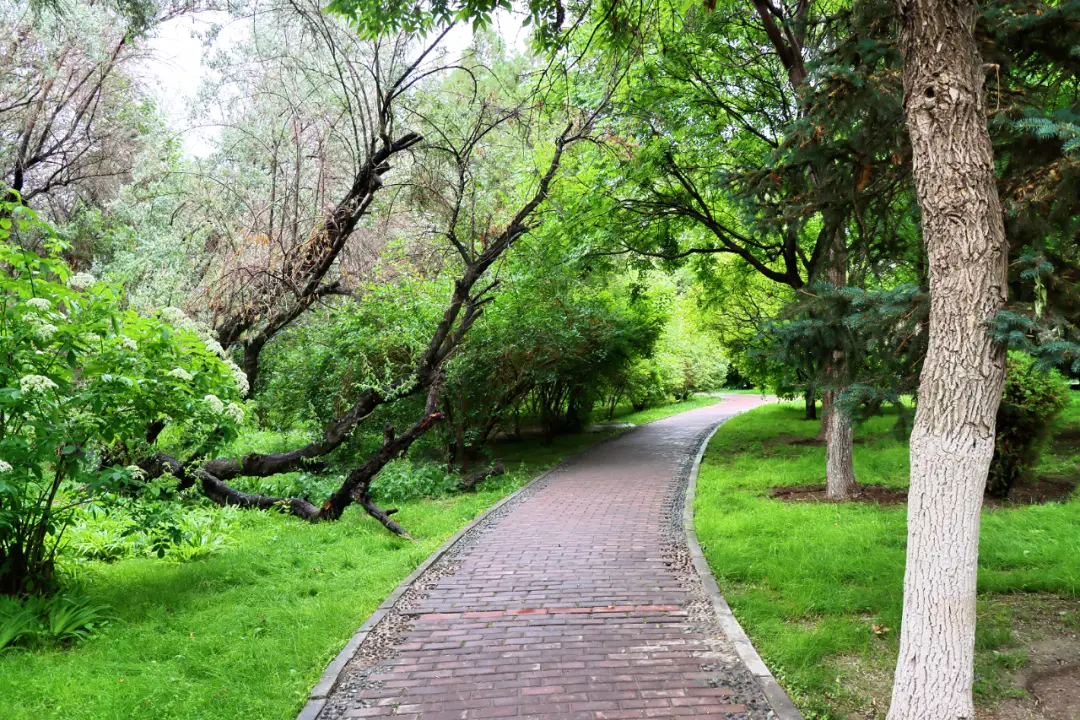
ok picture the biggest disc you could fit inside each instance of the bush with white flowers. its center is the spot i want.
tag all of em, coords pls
(80, 381)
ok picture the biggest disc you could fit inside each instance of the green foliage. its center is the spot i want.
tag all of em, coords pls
(555, 339)
(80, 380)
(882, 334)
(409, 480)
(688, 357)
(1031, 404)
(104, 538)
(373, 18)
(119, 527)
(1065, 130)
(58, 620)
(316, 369)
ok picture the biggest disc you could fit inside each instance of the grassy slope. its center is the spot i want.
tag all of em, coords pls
(245, 633)
(810, 582)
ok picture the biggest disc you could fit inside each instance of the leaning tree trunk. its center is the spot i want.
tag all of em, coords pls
(963, 374)
(837, 426)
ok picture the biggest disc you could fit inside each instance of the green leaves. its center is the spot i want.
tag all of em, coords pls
(373, 18)
(80, 380)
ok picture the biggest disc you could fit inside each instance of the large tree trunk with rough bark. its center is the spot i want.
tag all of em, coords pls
(963, 374)
(839, 467)
(837, 425)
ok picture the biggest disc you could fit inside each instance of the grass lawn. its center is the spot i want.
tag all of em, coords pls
(246, 632)
(818, 586)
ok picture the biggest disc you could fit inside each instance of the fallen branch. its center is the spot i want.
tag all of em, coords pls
(470, 481)
(383, 516)
(355, 488)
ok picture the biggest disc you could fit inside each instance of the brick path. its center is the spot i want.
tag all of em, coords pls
(576, 602)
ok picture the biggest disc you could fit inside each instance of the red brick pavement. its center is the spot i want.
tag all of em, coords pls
(570, 605)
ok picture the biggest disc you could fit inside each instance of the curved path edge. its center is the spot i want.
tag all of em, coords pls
(778, 699)
(329, 679)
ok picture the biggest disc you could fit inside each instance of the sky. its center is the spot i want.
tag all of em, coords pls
(174, 69)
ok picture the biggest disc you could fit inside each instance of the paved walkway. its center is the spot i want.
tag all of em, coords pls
(575, 600)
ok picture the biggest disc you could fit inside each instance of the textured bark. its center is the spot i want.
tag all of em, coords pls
(839, 470)
(963, 374)
(826, 412)
(282, 303)
(837, 427)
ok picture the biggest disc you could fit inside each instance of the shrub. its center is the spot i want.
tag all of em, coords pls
(104, 538)
(201, 533)
(647, 385)
(1033, 400)
(80, 380)
(60, 619)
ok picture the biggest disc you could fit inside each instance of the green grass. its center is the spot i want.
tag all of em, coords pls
(243, 633)
(811, 582)
(246, 632)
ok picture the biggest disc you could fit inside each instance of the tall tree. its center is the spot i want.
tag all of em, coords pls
(504, 129)
(69, 109)
(963, 375)
(726, 159)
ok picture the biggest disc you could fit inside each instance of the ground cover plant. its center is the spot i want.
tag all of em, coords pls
(817, 585)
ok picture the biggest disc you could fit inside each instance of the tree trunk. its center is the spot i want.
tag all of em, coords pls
(810, 402)
(839, 435)
(469, 482)
(839, 469)
(826, 413)
(963, 374)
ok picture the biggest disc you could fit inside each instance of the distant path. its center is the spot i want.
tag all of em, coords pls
(575, 600)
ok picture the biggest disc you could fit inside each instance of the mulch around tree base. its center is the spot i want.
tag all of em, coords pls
(816, 494)
(1044, 490)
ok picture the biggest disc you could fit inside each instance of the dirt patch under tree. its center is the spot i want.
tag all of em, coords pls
(1043, 490)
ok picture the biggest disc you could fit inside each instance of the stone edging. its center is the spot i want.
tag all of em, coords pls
(323, 688)
(778, 699)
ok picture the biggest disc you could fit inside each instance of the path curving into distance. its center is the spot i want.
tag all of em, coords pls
(576, 599)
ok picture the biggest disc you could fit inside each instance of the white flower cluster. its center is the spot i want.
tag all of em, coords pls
(214, 346)
(39, 304)
(215, 404)
(44, 331)
(36, 383)
(240, 378)
(180, 374)
(177, 318)
(5, 467)
(81, 281)
(136, 472)
(235, 413)
(128, 344)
